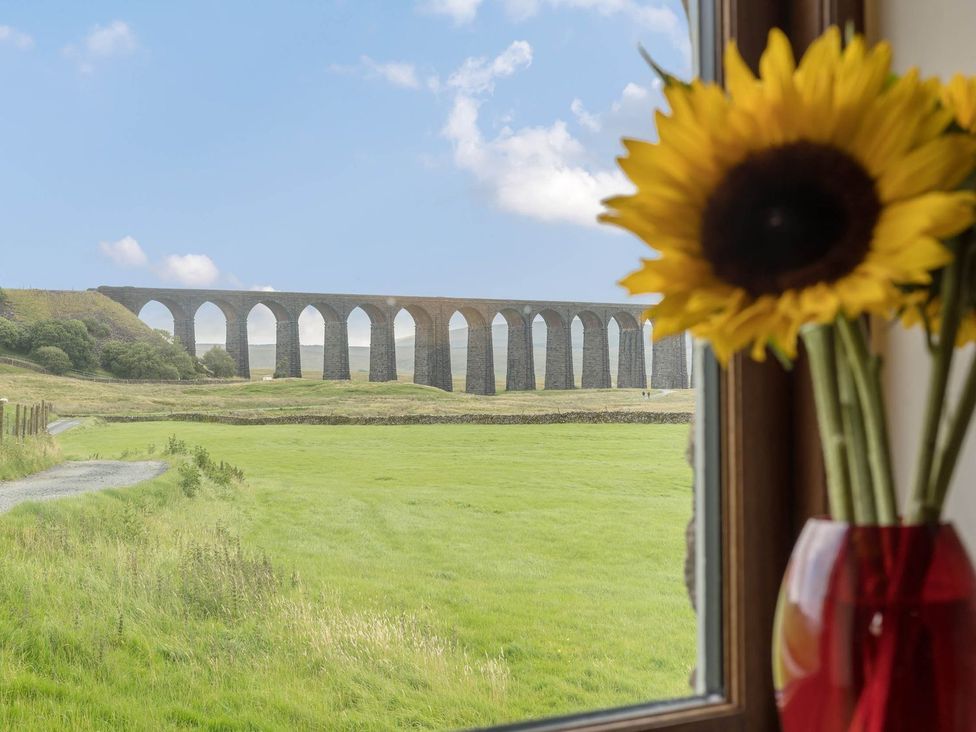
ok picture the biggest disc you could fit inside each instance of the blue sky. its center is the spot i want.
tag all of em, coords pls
(436, 147)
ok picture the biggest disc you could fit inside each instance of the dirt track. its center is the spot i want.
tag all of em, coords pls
(72, 478)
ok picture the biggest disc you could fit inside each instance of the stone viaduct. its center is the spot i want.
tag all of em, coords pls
(432, 354)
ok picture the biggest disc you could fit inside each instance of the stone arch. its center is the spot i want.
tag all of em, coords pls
(520, 352)
(382, 346)
(595, 372)
(479, 364)
(232, 331)
(288, 360)
(559, 349)
(631, 372)
(182, 314)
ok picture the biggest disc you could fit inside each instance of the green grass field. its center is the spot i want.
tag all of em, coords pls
(361, 578)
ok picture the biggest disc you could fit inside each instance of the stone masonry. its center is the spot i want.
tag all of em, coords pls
(432, 355)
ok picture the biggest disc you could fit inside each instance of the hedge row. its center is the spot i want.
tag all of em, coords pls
(417, 419)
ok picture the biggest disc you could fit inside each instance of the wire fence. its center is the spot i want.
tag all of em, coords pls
(20, 421)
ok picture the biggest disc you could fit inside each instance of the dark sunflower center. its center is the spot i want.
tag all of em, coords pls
(789, 217)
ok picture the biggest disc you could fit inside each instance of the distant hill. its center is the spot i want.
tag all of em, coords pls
(28, 306)
(262, 355)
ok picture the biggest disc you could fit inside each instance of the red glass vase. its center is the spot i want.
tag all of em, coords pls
(876, 631)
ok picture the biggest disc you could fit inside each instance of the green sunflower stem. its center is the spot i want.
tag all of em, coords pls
(946, 464)
(866, 370)
(819, 341)
(950, 316)
(862, 491)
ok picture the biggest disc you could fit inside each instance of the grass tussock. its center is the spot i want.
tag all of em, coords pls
(21, 458)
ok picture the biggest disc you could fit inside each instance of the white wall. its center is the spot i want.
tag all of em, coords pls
(937, 36)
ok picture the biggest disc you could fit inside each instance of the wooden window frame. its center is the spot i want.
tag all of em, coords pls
(772, 469)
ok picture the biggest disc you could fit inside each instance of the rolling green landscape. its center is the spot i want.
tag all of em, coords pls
(321, 576)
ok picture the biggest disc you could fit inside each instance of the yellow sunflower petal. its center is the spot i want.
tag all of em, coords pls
(938, 165)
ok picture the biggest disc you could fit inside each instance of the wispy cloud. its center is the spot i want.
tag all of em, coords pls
(460, 11)
(586, 119)
(654, 16)
(114, 40)
(13, 37)
(398, 73)
(477, 75)
(125, 252)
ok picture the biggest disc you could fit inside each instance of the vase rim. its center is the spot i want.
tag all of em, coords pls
(826, 520)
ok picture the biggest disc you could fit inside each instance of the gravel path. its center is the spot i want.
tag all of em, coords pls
(72, 478)
(62, 425)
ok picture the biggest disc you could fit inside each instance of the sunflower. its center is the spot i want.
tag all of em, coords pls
(812, 191)
(926, 311)
(959, 95)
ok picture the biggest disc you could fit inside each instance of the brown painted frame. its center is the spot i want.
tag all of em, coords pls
(772, 470)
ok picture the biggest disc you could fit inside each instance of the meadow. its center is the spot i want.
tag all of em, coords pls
(317, 397)
(359, 578)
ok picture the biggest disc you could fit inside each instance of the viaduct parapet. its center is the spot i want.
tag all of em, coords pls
(432, 354)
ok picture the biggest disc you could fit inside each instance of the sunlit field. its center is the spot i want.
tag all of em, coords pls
(359, 578)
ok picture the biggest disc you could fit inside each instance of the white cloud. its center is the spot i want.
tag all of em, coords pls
(541, 172)
(586, 120)
(114, 39)
(191, 270)
(460, 11)
(125, 252)
(262, 288)
(477, 75)
(16, 38)
(398, 73)
(654, 17)
(103, 42)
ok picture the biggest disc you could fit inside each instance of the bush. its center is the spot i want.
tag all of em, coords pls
(52, 358)
(189, 479)
(71, 336)
(96, 329)
(220, 363)
(142, 360)
(13, 336)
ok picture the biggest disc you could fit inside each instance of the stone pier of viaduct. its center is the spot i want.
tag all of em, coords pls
(432, 354)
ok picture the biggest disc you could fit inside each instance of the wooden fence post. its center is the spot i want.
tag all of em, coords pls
(17, 423)
(1, 422)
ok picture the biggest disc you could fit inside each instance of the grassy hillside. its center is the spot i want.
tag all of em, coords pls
(28, 306)
(315, 396)
(365, 578)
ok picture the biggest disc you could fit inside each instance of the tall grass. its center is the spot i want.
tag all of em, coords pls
(20, 458)
(123, 612)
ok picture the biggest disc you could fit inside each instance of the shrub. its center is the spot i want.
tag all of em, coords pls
(175, 446)
(142, 360)
(189, 479)
(96, 329)
(220, 363)
(13, 336)
(52, 358)
(71, 336)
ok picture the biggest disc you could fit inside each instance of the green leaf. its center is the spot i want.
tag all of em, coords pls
(668, 79)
